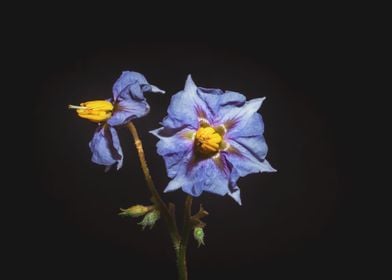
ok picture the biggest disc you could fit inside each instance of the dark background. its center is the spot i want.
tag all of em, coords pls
(302, 221)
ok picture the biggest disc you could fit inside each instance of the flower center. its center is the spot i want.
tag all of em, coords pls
(207, 140)
(95, 111)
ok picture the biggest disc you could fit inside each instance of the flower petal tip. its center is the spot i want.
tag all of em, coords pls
(235, 194)
(190, 84)
(157, 89)
(267, 167)
(155, 132)
(257, 102)
(171, 187)
(167, 189)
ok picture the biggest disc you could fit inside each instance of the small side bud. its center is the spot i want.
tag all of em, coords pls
(135, 211)
(150, 219)
(198, 234)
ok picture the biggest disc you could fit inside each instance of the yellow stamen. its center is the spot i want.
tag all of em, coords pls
(207, 140)
(95, 111)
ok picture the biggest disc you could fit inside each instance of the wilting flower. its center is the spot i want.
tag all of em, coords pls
(136, 211)
(128, 103)
(210, 138)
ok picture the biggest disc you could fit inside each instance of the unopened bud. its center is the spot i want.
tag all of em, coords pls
(150, 219)
(135, 211)
(198, 234)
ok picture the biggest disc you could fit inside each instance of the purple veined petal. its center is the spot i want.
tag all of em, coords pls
(211, 98)
(255, 145)
(105, 147)
(134, 91)
(237, 118)
(128, 78)
(248, 156)
(232, 98)
(132, 85)
(127, 110)
(254, 126)
(206, 176)
(186, 108)
(180, 178)
(234, 190)
(174, 148)
(216, 98)
(194, 177)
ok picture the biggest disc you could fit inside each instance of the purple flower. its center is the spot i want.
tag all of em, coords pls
(209, 139)
(128, 103)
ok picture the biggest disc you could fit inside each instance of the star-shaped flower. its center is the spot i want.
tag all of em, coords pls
(210, 138)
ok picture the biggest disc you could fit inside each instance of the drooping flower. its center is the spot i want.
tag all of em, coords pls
(128, 103)
(210, 138)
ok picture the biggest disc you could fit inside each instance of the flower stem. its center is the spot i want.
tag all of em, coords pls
(187, 227)
(157, 200)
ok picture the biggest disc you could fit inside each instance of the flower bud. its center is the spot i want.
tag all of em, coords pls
(135, 211)
(150, 219)
(198, 234)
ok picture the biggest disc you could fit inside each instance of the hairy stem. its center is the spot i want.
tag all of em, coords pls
(187, 227)
(156, 198)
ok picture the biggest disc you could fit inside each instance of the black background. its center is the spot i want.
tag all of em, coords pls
(301, 221)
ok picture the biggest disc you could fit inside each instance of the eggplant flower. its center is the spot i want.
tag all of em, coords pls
(128, 103)
(209, 139)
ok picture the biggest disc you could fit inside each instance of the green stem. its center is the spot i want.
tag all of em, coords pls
(187, 227)
(157, 200)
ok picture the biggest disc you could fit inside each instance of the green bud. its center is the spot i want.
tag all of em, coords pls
(135, 211)
(150, 219)
(198, 234)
